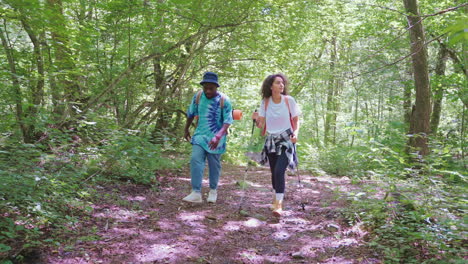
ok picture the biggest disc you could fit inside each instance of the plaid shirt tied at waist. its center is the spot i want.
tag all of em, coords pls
(277, 143)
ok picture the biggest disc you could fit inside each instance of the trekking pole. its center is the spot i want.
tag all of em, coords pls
(244, 184)
(300, 188)
(299, 182)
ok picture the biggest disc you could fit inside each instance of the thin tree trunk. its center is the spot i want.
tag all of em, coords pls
(160, 87)
(330, 94)
(379, 111)
(369, 133)
(462, 137)
(113, 94)
(439, 91)
(336, 107)
(356, 114)
(129, 96)
(420, 118)
(18, 96)
(316, 119)
(56, 92)
(407, 102)
(37, 91)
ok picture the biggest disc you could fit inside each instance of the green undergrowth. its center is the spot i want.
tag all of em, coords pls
(413, 207)
(47, 187)
(417, 220)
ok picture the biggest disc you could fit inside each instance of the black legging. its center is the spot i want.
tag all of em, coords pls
(278, 165)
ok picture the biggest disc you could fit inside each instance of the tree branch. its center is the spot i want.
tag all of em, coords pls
(397, 61)
(151, 56)
(446, 10)
(430, 15)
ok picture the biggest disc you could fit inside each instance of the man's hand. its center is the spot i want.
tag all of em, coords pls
(187, 129)
(187, 135)
(214, 142)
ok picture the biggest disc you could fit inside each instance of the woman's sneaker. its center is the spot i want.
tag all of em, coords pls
(193, 197)
(212, 196)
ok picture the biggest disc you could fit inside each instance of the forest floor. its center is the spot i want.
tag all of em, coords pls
(138, 224)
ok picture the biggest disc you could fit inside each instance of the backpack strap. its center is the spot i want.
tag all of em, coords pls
(265, 104)
(197, 102)
(199, 93)
(287, 103)
(286, 97)
(221, 105)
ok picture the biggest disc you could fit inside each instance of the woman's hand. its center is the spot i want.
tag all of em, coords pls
(260, 121)
(294, 138)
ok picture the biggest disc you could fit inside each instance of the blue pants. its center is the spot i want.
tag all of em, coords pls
(278, 165)
(197, 168)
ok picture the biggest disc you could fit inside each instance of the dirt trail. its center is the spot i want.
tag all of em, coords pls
(135, 224)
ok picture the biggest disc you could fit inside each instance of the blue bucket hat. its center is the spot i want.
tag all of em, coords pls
(210, 77)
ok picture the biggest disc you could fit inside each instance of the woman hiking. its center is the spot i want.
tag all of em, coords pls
(279, 119)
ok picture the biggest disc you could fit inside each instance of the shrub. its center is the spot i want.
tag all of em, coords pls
(130, 157)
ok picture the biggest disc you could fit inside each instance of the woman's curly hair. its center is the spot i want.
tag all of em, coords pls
(268, 82)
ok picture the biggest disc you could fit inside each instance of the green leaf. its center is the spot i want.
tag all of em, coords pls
(4, 248)
(9, 234)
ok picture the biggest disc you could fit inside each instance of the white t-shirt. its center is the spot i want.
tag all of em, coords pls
(277, 115)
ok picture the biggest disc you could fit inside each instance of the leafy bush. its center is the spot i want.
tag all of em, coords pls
(131, 157)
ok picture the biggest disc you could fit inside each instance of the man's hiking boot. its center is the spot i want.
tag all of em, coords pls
(193, 197)
(212, 196)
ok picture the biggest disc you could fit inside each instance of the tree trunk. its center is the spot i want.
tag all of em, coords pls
(462, 137)
(56, 93)
(356, 106)
(407, 102)
(129, 94)
(17, 96)
(380, 101)
(336, 106)
(63, 61)
(330, 95)
(37, 90)
(420, 118)
(438, 92)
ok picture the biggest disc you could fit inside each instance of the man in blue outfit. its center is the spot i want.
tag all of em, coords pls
(214, 113)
